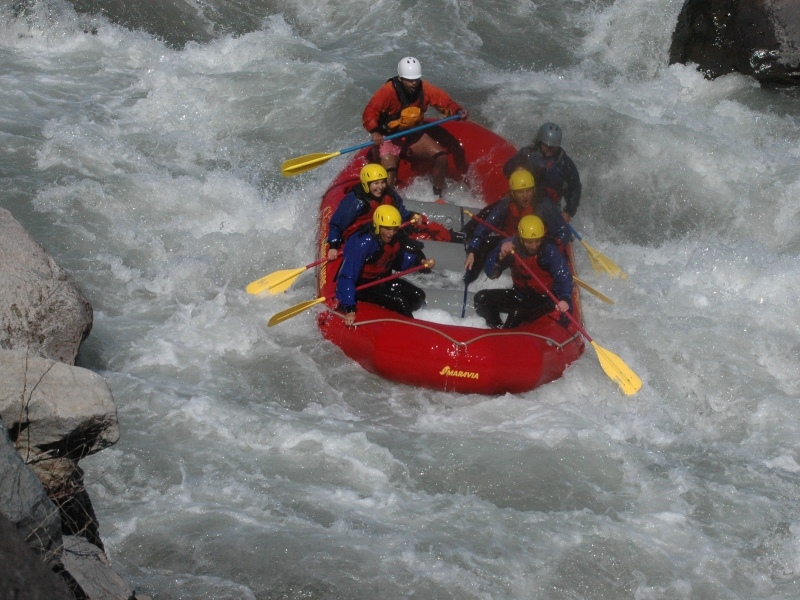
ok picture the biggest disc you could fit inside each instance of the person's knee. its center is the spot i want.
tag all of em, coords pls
(440, 157)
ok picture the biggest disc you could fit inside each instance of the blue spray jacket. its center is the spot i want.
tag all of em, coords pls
(365, 247)
(548, 258)
(357, 203)
(558, 173)
(546, 210)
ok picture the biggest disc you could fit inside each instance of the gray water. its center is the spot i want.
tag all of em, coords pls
(262, 463)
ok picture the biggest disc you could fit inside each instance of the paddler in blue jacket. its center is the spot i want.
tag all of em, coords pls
(356, 208)
(526, 301)
(523, 199)
(555, 170)
(372, 253)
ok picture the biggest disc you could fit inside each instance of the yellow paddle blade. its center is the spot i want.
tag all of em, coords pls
(293, 310)
(592, 291)
(301, 164)
(617, 370)
(601, 262)
(276, 282)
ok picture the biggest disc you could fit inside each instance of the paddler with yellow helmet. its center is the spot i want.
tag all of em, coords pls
(523, 198)
(356, 208)
(526, 300)
(371, 253)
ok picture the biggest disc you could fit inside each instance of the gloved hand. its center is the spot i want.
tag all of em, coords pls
(419, 219)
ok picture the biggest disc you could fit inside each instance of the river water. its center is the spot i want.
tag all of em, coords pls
(262, 463)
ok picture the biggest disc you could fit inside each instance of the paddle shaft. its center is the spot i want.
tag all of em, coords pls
(295, 310)
(401, 133)
(315, 263)
(364, 286)
(302, 269)
(466, 287)
(575, 233)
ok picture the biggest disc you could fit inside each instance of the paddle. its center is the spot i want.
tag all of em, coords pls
(612, 364)
(301, 164)
(591, 290)
(298, 308)
(466, 287)
(280, 281)
(599, 261)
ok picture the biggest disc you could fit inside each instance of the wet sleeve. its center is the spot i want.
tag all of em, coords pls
(496, 216)
(554, 222)
(553, 261)
(397, 200)
(494, 267)
(345, 215)
(380, 103)
(440, 100)
(356, 251)
(572, 187)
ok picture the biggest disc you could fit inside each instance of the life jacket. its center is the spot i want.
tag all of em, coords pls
(553, 179)
(523, 280)
(514, 216)
(404, 119)
(379, 263)
(368, 206)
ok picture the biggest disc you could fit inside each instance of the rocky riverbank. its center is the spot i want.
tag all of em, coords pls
(53, 414)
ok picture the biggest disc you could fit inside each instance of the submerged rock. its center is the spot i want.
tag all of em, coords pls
(760, 38)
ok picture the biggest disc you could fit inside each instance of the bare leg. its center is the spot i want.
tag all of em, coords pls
(438, 172)
(427, 147)
(390, 162)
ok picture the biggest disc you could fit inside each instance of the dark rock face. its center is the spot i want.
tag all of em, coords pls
(24, 502)
(760, 38)
(22, 575)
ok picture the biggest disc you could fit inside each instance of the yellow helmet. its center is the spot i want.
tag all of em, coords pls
(530, 227)
(521, 180)
(372, 172)
(386, 215)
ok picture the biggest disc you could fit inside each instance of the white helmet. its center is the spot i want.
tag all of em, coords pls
(409, 68)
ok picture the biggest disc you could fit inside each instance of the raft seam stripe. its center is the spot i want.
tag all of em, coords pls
(468, 342)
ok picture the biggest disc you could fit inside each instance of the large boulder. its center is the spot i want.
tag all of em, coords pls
(56, 414)
(42, 310)
(760, 38)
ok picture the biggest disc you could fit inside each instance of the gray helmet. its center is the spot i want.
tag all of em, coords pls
(549, 134)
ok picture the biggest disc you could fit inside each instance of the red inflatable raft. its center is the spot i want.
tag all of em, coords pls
(453, 358)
